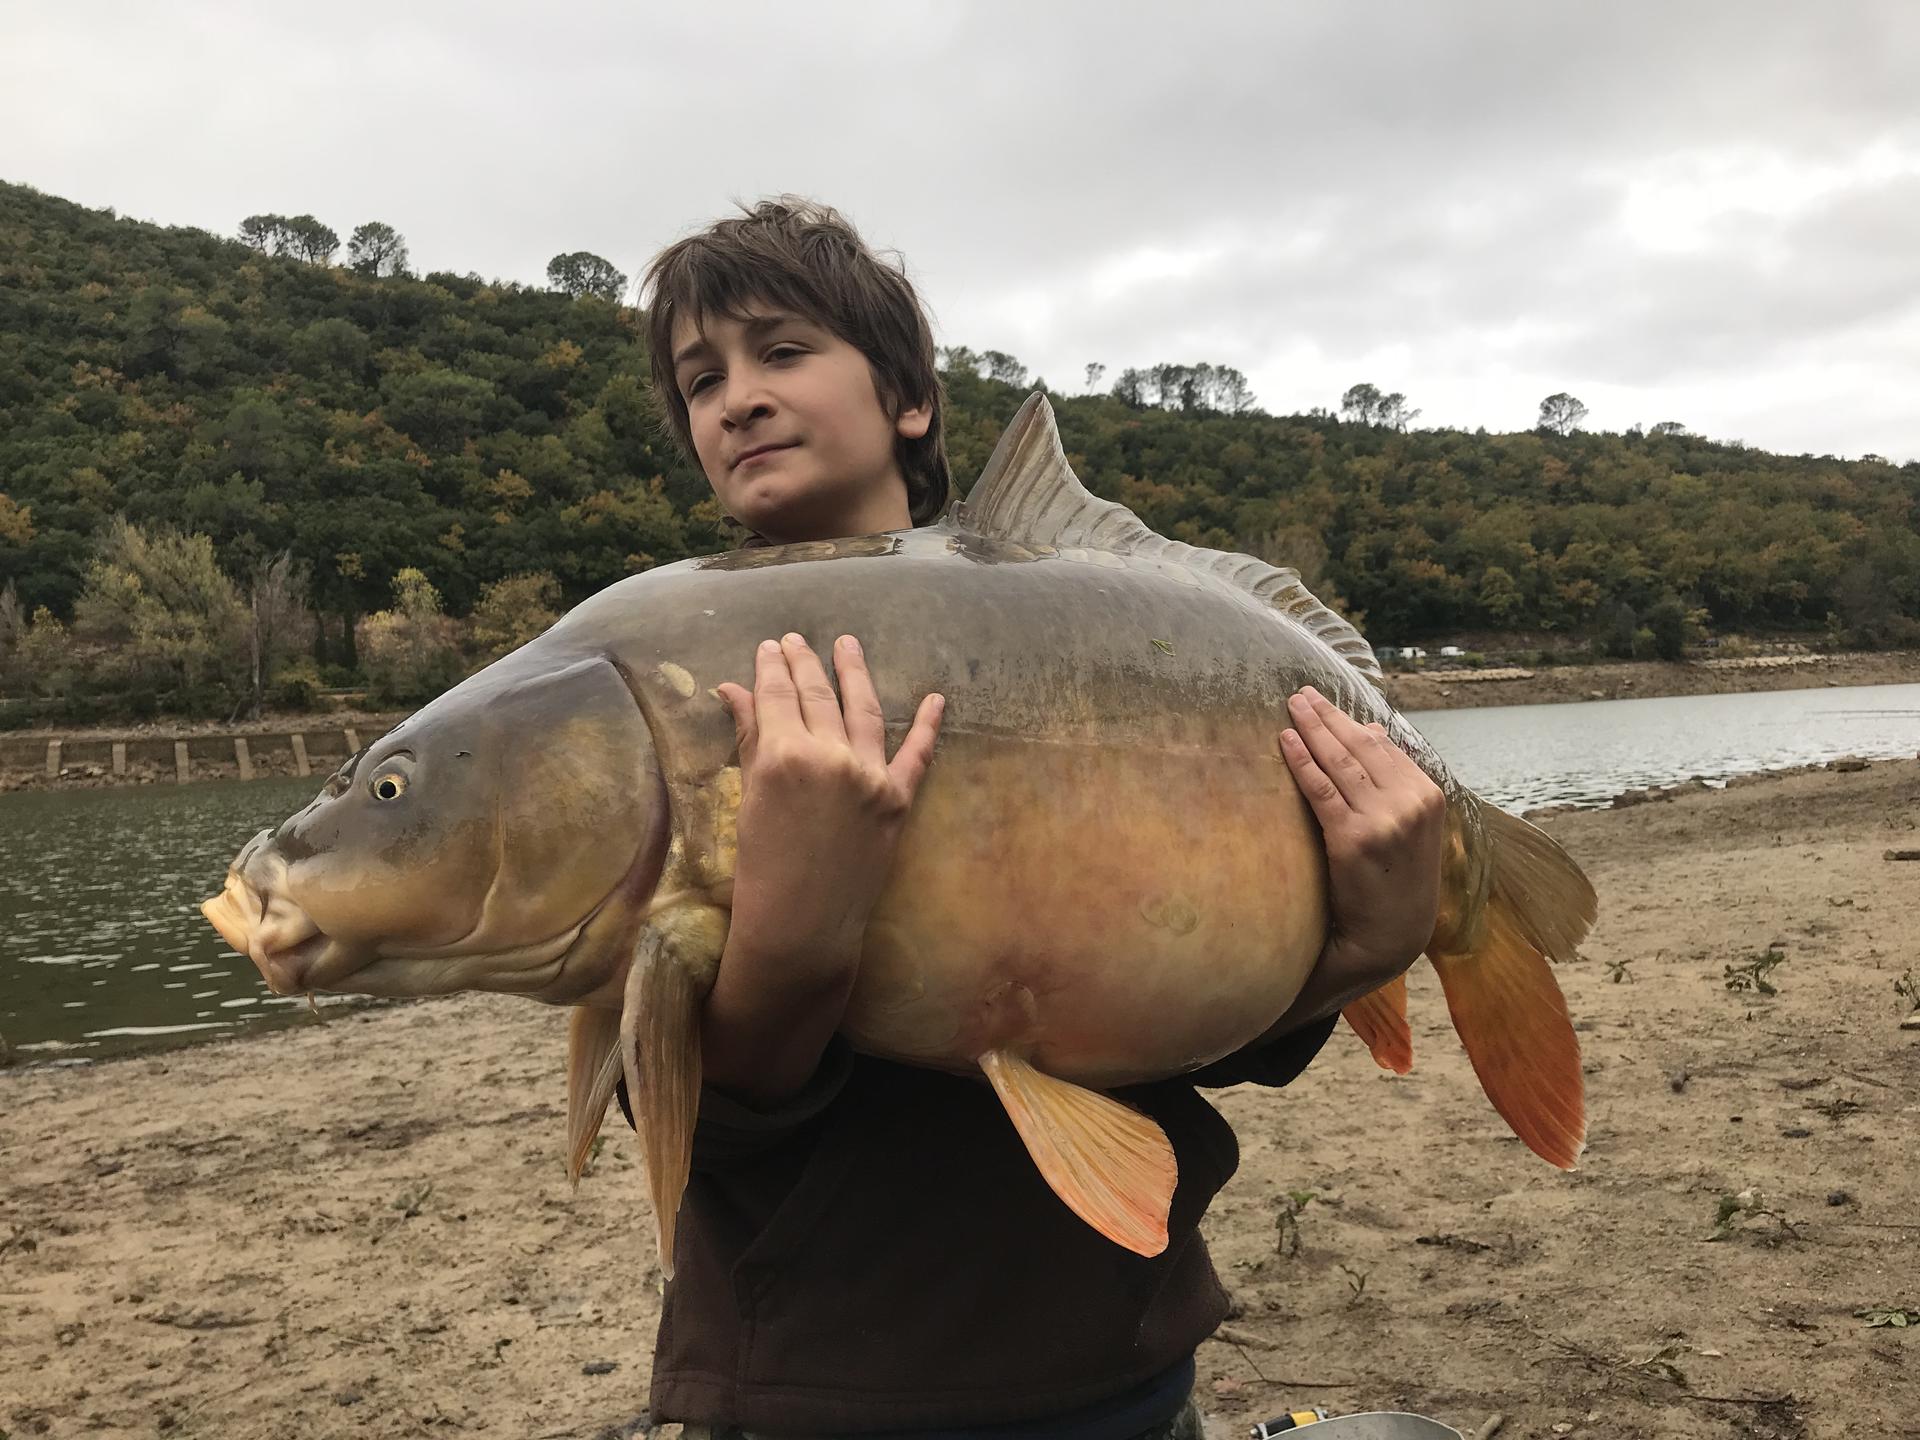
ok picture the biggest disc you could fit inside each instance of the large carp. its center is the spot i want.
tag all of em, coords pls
(1109, 875)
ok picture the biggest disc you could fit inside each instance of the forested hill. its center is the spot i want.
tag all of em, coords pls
(372, 423)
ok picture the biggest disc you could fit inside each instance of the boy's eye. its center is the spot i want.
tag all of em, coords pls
(699, 383)
(785, 351)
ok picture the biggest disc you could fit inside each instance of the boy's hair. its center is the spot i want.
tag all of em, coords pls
(802, 256)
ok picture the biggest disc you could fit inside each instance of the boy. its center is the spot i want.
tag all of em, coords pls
(866, 1248)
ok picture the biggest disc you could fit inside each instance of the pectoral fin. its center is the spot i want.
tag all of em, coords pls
(593, 1071)
(1380, 1019)
(673, 969)
(1112, 1166)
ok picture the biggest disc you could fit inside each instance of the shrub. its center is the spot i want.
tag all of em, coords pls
(410, 653)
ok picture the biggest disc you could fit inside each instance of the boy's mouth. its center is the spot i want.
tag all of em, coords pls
(760, 450)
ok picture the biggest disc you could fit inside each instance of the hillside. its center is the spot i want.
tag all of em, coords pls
(475, 431)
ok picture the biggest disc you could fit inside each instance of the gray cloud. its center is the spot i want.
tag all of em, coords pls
(1706, 212)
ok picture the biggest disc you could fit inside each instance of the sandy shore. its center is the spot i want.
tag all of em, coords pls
(1437, 689)
(361, 1228)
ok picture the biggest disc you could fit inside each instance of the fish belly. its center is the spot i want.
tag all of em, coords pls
(1112, 914)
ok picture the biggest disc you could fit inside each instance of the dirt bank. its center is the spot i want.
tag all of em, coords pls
(147, 755)
(362, 1228)
(1631, 679)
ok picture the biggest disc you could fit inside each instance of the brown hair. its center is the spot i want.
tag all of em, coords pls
(803, 256)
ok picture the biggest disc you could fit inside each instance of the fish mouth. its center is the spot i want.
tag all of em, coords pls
(256, 917)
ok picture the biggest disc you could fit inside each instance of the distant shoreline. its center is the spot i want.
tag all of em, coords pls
(1438, 689)
(85, 759)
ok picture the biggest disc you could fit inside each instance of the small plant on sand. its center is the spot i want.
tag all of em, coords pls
(1618, 972)
(1356, 1281)
(1908, 990)
(1896, 1317)
(410, 1202)
(1753, 975)
(1749, 1214)
(1286, 1221)
(1661, 1364)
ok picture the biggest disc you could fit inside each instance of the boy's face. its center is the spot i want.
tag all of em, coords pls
(789, 428)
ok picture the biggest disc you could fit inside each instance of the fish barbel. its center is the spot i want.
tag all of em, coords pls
(1108, 876)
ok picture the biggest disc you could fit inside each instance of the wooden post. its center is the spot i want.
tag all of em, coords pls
(180, 767)
(243, 757)
(300, 763)
(53, 759)
(353, 741)
(119, 757)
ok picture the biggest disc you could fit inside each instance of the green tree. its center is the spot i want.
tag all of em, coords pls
(1667, 625)
(1366, 404)
(411, 651)
(581, 272)
(328, 348)
(377, 249)
(265, 233)
(510, 613)
(309, 240)
(1500, 598)
(1561, 414)
(166, 624)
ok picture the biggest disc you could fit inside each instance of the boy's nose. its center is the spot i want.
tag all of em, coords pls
(746, 400)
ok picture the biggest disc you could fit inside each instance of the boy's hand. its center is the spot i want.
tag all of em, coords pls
(821, 811)
(1384, 822)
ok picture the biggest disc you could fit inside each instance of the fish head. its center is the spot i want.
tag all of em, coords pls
(503, 839)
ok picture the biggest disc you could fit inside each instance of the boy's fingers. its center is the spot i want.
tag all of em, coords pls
(1367, 744)
(776, 702)
(1329, 806)
(910, 762)
(860, 705)
(739, 703)
(1396, 761)
(819, 706)
(1329, 752)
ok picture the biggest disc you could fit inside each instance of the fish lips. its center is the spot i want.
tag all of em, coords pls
(255, 916)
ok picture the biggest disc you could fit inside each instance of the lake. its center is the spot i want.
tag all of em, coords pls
(102, 947)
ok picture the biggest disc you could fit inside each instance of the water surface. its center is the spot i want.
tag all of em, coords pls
(102, 945)
(1520, 756)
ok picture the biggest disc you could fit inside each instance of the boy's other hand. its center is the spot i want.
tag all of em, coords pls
(1384, 823)
(821, 811)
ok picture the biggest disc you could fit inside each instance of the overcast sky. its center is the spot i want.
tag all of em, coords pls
(1703, 212)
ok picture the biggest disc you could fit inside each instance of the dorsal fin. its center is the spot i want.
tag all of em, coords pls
(1028, 493)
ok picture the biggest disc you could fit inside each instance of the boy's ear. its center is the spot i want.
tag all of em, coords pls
(913, 422)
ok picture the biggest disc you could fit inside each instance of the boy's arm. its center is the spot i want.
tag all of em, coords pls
(821, 811)
(1383, 822)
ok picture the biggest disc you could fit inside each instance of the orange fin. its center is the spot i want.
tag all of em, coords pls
(593, 1073)
(667, 984)
(1112, 1166)
(1380, 1019)
(1492, 955)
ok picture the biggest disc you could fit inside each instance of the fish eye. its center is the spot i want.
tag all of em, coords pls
(390, 786)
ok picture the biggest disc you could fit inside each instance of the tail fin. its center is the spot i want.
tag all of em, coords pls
(1380, 1019)
(1505, 1003)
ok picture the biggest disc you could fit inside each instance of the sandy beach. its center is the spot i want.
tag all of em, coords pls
(362, 1227)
